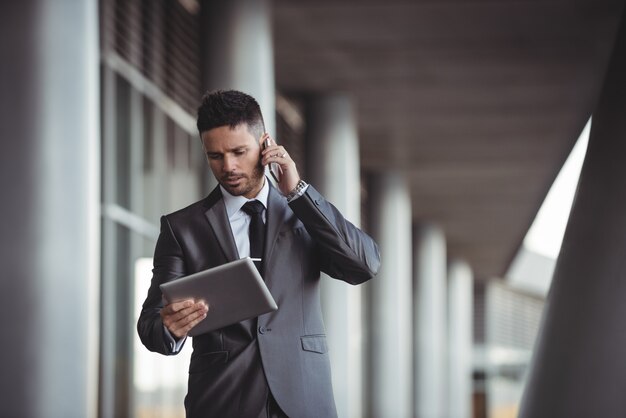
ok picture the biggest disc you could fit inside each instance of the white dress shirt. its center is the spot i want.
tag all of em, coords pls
(240, 220)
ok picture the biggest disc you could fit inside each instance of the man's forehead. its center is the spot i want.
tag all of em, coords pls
(227, 137)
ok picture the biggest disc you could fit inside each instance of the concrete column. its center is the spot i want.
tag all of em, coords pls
(332, 153)
(430, 326)
(460, 339)
(49, 236)
(578, 368)
(390, 365)
(238, 51)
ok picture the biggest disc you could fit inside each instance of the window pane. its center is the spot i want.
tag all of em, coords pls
(160, 382)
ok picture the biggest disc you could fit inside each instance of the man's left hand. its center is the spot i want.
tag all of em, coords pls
(277, 154)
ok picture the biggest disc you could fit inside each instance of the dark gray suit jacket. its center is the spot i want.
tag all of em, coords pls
(304, 237)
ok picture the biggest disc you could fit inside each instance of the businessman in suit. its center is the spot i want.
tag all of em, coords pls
(275, 365)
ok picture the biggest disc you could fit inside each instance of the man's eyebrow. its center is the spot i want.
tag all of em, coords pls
(239, 148)
(234, 149)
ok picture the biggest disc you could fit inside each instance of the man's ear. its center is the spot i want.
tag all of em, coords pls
(202, 143)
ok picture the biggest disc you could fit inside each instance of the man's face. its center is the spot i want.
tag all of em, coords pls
(234, 156)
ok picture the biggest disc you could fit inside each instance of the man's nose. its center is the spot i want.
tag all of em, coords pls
(229, 163)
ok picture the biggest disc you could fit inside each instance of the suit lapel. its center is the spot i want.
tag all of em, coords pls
(277, 211)
(218, 219)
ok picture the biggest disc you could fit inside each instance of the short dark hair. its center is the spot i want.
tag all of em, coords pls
(232, 108)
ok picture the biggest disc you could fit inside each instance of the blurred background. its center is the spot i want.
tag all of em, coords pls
(454, 132)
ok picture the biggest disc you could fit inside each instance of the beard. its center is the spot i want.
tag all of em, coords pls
(242, 184)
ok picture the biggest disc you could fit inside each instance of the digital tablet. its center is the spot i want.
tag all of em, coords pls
(234, 292)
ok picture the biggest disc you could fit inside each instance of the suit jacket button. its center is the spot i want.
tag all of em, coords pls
(262, 329)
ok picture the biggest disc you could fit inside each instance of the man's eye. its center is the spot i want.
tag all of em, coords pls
(240, 152)
(214, 156)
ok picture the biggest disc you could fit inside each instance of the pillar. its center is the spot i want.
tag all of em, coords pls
(460, 339)
(238, 51)
(332, 161)
(50, 231)
(430, 323)
(390, 366)
(577, 368)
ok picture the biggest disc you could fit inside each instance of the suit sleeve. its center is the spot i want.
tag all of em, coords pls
(168, 265)
(346, 252)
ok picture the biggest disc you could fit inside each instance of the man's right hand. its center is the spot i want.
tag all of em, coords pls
(180, 317)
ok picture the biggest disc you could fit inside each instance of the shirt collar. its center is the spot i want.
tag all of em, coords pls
(234, 203)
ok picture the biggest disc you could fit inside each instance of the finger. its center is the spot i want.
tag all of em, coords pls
(263, 141)
(195, 307)
(269, 150)
(276, 155)
(183, 326)
(203, 304)
(177, 306)
(175, 324)
(183, 322)
(171, 318)
(266, 141)
(278, 152)
(192, 324)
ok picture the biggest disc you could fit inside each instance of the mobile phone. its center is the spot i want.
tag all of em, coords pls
(275, 170)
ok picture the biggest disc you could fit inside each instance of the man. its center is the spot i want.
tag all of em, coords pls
(275, 365)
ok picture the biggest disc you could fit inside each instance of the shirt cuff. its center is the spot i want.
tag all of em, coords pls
(174, 345)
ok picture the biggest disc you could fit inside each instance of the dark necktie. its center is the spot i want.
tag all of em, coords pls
(254, 208)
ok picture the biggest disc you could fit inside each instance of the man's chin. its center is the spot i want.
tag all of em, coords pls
(241, 187)
(238, 189)
(234, 190)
